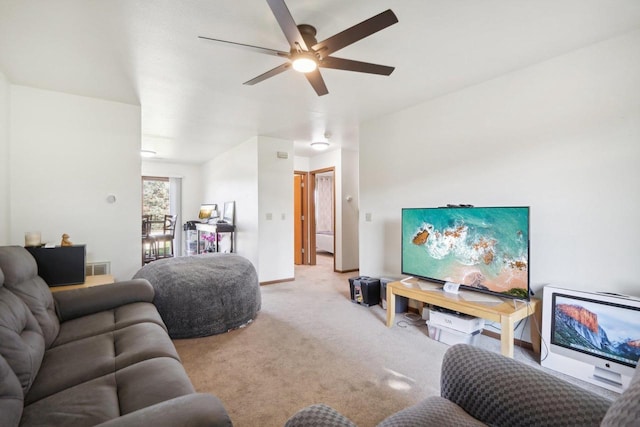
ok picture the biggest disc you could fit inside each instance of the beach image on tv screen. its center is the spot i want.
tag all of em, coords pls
(484, 248)
(605, 330)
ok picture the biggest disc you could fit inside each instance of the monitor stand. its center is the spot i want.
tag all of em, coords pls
(606, 376)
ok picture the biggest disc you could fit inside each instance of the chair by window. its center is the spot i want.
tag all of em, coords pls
(149, 244)
(167, 237)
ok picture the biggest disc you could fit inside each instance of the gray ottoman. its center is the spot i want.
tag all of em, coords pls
(204, 294)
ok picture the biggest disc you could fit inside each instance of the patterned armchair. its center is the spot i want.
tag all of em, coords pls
(480, 388)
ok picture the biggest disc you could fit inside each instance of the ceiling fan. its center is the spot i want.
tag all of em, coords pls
(307, 54)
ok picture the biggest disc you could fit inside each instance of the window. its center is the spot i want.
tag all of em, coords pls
(163, 196)
(156, 200)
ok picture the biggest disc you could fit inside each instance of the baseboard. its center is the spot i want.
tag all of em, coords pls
(346, 271)
(273, 282)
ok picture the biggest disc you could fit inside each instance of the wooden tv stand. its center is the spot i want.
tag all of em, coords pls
(507, 312)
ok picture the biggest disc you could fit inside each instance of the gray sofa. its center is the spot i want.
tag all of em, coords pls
(480, 388)
(92, 356)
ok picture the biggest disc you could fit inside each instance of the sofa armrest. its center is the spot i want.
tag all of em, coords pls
(81, 302)
(319, 415)
(194, 410)
(501, 391)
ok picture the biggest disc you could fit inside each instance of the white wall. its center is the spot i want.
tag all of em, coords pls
(68, 153)
(260, 184)
(350, 209)
(301, 163)
(562, 137)
(4, 160)
(233, 176)
(275, 202)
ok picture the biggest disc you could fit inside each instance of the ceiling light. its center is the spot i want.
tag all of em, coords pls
(147, 153)
(304, 63)
(320, 145)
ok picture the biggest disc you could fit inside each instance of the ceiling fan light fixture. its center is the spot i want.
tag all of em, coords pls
(304, 64)
(320, 145)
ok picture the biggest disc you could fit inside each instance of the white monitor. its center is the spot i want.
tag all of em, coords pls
(591, 336)
(229, 212)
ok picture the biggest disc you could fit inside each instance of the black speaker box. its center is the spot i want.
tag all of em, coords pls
(62, 265)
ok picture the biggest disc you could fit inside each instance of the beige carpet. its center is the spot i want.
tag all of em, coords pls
(310, 344)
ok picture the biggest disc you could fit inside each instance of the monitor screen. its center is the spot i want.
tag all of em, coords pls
(598, 328)
(208, 211)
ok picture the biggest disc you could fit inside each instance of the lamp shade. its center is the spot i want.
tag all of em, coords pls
(304, 63)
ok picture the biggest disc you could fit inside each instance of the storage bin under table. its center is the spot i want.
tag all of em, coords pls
(364, 290)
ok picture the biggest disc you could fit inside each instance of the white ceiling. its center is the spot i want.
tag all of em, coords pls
(194, 104)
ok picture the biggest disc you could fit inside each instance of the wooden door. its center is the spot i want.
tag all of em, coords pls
(297, 219)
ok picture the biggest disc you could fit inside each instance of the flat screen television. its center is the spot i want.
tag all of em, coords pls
(483, 249)
(592, 336)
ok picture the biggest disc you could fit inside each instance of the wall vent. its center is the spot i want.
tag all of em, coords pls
(98, 268)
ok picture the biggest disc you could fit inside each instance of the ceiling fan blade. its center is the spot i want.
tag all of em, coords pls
(355, 33)
(316, 80)
(351, 65)
(273, 72)
(286, 22)
(258, 49)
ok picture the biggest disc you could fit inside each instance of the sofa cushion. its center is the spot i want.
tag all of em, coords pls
(150, 382)
(108, 321)
(11, 395)
(107, 397)
(21, 277)
(498, 390)
(86, 404)
(318, 415)
(79, 361)
(434, 411)
(21, 340)
(625, 410)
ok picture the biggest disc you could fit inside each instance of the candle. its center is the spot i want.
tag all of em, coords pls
(32, 238)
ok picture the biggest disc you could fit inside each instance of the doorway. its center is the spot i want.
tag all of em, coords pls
(314, 216)
(322, 213)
